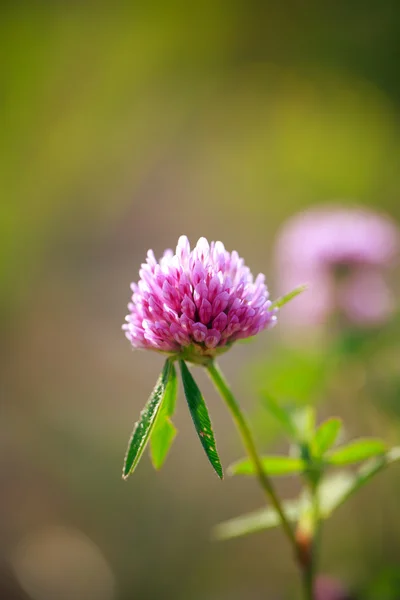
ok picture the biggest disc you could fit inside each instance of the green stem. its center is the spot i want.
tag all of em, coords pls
(308, 584)
(310, 566)
(317, 527)
(266, 484)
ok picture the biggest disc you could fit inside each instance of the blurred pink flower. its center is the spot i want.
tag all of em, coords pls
(342, 254)
(196, 302)
(328, 588)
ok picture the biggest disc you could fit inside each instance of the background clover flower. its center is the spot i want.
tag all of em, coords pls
(343, 255)
(196, 302)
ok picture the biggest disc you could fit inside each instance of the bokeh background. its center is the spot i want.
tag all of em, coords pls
(125, 125)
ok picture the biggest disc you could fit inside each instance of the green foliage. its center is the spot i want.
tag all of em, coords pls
(279, 302)
(283, 416)
(311, 444)
(266, 518)
(313, 457)
(356, 451)
(305, 419)
(164, 431)
(201, 419)
(291, 375)
(384, 583)
(297, 422)
(273, 465)
(332, 493)
(143, 428)
(326, 435)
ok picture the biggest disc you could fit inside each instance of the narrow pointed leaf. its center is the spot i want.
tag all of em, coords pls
(164, 431)
(305, 420)
(201, 419)
(356, 451)
(280, 414)
(272, 465)
(266, 518)
(279, 302)
(326, 435)
(333, 490)
(142, 429)
(336, 489)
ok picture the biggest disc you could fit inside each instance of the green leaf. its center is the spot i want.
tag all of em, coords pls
(272, 465)
(284, 417)
(266, 518)
(333, 492)
(201, 419)
(308, 419)
(326, 435)
(164, 431)
(356, 451)
(303, 419)
(142, 429)
(336, 489)
(279, 302)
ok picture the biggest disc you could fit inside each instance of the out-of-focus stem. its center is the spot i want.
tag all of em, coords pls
(241, 423)
(308, 540)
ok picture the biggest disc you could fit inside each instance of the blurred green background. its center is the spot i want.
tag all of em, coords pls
(125, 125)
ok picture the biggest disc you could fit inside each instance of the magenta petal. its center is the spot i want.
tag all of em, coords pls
(170, 294)
(220, 303)
(188, 307)
(199, 332)
(204, 298)
(200, 293)
(212, 338)
(205, 311)
(213, 287)
(179, 335)
(198, 273)
(220, 322)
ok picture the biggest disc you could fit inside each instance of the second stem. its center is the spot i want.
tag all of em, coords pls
(241, 423)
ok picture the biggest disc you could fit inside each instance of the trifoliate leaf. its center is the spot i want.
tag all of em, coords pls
(272, 465)
(201, 419)
(326, 435)
(164, 431)
(356, 451)
(142, 429)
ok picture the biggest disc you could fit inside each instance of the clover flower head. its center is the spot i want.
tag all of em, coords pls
(196, 303)
(342, 253)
